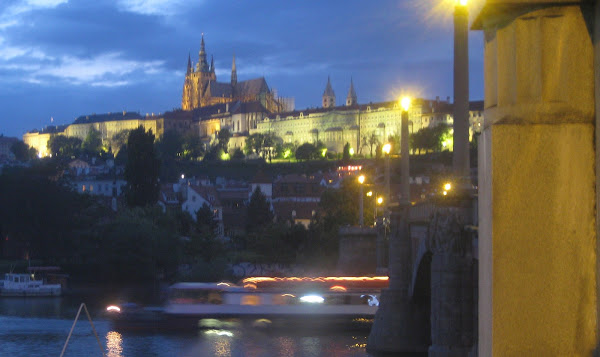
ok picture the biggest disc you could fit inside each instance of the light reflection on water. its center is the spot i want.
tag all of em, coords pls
(40, 327)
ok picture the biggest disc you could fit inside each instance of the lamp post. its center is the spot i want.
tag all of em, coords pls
(399, 327)
(460, 157)
(386, 149)
(399, 263)
(361, 180)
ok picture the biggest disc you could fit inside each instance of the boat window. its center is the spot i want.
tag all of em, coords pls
(250, 300)
(195, 296)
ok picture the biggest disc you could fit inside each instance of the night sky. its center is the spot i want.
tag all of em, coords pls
(64, 58)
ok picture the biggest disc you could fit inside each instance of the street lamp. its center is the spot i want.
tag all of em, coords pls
(460, 156)
(387, 148)
(361, 180)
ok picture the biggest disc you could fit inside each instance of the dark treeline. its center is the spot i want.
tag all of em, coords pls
(43, 219)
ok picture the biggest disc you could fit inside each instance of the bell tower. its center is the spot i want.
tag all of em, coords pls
(328, 95)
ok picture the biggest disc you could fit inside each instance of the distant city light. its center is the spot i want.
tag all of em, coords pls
(370, 193)
(182, 176)
(361, 179)
(351, 151)
(447, 186)
(324, 152)
(379, 200)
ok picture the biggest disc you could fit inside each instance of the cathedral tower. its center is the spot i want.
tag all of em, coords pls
(351, 98)
(233, 73)
(196, 81)
(328, 95)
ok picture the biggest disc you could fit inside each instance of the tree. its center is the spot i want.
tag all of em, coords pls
(192, 146)
(92, 144)
(306, 151)
(142, 169)
(372, 142)
(346, 155)
(223, 139)
(119, 141)
(238, 154)
(22, 151)
(63, 146)
(259, 212)
(205, 219)
(170, 146)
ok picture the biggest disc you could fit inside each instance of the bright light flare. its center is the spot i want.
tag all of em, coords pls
(447, 186)
(370, 193)
(312, 299)
(361, 179)
(223, 284)
(387, 148)
(461, 2)
(379, 200)
(351, 151)
(405, 103)
(338, 288)
(113, 308)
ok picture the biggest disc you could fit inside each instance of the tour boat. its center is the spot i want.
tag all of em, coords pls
(25, 285)
(347, 302)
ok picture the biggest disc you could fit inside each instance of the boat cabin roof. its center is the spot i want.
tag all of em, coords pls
(204, 286)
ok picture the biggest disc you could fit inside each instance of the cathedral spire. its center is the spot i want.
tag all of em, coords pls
(202, 65)
(351, 98)
(328, 95)
(189, 66)
(212, 64)
(233, 72)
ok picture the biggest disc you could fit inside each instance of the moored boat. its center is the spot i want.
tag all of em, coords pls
(15, 285)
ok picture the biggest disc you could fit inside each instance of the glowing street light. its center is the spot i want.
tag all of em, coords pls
(447, 186)
(387, 148)
(379, 200)
(405, 103)
(370, 193)
(351, 151)
(361, 179)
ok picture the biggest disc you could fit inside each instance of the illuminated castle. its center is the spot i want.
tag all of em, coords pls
(201, 89)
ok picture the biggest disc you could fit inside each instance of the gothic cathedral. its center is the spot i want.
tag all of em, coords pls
(201, 89)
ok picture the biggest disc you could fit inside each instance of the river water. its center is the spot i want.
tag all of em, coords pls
(40, 326)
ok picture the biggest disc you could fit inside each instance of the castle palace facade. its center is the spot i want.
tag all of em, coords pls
(201, 88)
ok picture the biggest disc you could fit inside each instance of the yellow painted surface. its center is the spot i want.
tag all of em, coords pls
(543, 240)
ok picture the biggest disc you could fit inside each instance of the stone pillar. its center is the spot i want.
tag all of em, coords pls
(357, 252)
(451, 285)
(537, 227)
(399, 325)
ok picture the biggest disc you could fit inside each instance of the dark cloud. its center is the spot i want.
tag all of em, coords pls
(135, 57)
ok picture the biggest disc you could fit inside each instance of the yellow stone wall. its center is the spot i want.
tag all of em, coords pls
(537, 225)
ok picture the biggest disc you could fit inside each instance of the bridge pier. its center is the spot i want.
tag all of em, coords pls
(401, 326)
(452, 332)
